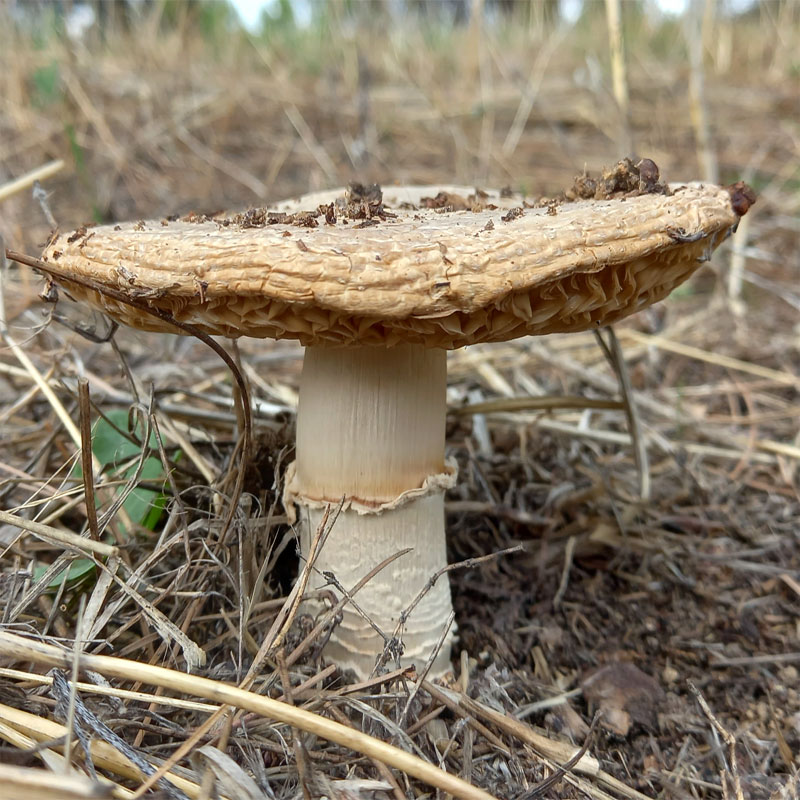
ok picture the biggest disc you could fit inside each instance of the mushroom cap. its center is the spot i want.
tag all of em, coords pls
(436, 277)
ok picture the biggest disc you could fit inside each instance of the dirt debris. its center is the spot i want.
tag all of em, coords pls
(624, 695)
(450, 201)
(624, 179)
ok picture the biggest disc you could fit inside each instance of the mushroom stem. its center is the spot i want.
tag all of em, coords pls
(371, 430)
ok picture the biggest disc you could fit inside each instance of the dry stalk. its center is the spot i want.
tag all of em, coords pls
(110, 691)
(698, 102)
(73, 696)
(25, 783)
(616, 358)
(84, 405)
(538, 403)
(19, 648)
(736, 270)
(727, 737)
(781, 378)
(104, 755)
(29, 178)
(27, 363)
(619, 72)
(47, 533)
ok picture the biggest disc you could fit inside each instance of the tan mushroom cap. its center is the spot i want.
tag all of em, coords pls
(437, 278)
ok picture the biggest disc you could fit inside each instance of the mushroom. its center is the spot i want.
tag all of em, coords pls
(378, 289)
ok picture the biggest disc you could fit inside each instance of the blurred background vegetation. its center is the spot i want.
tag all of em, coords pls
(162, 106)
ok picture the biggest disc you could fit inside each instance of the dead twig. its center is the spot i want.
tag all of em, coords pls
(727, 737)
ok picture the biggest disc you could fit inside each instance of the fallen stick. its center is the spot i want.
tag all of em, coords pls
(26, 180)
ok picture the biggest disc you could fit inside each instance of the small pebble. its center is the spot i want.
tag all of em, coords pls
(669, 674)
(788, 675)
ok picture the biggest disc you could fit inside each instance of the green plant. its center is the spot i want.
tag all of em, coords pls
(46, 85)
(120, 455)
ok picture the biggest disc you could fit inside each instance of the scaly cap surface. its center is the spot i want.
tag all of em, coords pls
(437, 277)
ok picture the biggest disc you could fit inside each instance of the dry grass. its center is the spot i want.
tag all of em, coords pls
(700, 583)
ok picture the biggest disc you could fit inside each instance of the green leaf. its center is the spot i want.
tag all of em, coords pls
(80, 570)
(120, 456)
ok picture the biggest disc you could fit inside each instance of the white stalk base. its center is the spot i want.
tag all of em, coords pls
(358, 542)
(370, 429)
